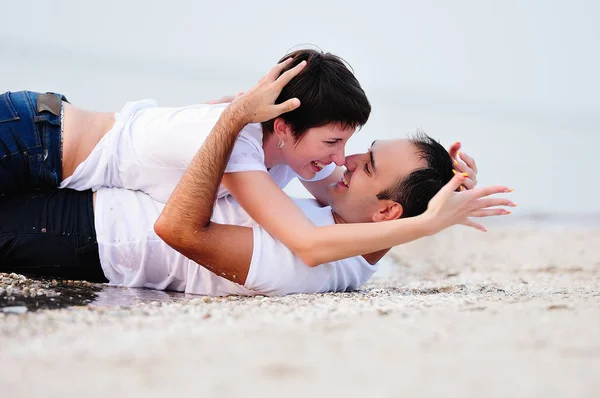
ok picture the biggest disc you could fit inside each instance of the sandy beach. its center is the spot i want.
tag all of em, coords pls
(511, 312)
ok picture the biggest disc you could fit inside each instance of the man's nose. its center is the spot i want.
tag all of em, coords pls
(339, 157)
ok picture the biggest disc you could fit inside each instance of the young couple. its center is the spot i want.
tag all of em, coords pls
(190, 199)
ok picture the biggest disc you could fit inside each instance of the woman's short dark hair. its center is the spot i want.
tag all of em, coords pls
(328, 92)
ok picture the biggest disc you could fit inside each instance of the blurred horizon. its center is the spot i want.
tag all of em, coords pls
(516, 83)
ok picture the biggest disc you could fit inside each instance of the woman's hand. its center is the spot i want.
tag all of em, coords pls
(449, 208)
(463, 163)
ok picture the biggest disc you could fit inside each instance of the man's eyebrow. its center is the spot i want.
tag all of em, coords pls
(371, 157)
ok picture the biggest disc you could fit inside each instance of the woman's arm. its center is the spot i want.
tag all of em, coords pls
(270, 207)
(277, 213)
(318, 189)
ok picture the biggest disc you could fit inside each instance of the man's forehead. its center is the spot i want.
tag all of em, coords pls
(397, 155)
(395, 146)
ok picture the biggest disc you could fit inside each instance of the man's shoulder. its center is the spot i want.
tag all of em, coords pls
(228, 211)
(318, 214)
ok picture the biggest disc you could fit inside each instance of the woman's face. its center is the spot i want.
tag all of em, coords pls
(318, 147)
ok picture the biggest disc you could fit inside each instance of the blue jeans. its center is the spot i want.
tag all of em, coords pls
(30, 141)
(50, 234)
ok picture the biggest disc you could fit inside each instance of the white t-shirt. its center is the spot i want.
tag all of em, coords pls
(132, 255)
(149, 149)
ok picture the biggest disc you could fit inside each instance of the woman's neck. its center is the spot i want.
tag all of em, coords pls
(273, 154)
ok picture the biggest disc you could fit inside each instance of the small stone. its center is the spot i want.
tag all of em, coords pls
(54, 283)
(558, 307)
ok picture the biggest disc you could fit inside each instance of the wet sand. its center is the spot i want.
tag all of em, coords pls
(513, 312)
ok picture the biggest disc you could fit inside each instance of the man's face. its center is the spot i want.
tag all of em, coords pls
(354, 197)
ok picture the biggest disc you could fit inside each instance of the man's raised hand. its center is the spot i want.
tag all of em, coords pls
(258, 103)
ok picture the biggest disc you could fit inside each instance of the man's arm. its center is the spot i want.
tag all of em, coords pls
(185, 222)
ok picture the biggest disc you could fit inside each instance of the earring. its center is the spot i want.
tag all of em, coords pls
(280, 144)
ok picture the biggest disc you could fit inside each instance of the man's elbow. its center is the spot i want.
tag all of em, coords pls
(172, 233)
(185, 238)
(164, 229)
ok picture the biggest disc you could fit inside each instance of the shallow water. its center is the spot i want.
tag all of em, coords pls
(25, 294)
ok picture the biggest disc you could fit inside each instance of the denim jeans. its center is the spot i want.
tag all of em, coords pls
(50, 234)
(30, 141)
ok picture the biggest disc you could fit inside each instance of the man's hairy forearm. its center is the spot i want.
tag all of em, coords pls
(190, 206)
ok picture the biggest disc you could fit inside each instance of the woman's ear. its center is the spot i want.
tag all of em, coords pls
(389, 210)
(281, 129)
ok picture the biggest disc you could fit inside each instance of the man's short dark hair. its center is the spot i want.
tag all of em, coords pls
(415, 191)
(328, 92)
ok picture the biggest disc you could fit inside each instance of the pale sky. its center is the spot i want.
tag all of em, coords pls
(516, 81)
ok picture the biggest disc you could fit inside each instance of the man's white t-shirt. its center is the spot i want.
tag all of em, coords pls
(149, 148)
(132, 255)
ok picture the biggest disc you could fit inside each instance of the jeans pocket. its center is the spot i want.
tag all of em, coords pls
(8, 112)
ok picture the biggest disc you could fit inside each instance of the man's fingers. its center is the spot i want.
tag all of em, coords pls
(286, 106)
(469, 161)
(276, 70)
(488, 212)
(290, 74)
(223, 100)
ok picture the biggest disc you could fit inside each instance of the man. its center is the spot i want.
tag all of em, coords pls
(243, 258)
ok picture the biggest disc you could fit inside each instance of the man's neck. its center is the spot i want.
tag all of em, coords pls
(371, 258)
(273, 154)
(337, 218)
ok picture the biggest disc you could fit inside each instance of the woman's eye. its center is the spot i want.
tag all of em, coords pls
(331, 142)
(367, 169)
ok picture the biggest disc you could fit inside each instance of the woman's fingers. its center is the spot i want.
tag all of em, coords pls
(489, 212)
(473, 224)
